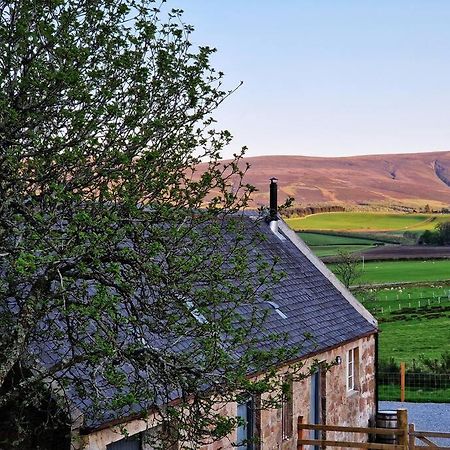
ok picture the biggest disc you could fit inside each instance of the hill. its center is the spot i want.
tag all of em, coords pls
(411, 180)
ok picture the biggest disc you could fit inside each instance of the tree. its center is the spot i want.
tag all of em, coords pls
(440, 236)
(114, 251)
(347, 268)
(443, 229)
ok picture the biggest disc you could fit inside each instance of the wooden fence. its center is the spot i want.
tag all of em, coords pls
(404, 436)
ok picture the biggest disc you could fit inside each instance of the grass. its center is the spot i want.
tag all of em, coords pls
(380, 272)
(362, 221)
(323, 244)
(321, 239)
(391, 392)
(383, 301)
(407, 340)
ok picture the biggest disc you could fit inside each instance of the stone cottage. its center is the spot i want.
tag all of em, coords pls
(308, 300)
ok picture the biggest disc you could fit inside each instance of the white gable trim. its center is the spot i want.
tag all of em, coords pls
(295, 239)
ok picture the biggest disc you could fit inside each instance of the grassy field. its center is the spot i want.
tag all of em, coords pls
(320, 239)
(362, 221)
(330, 245)
(382, 301)
(391, 392)
(407, 340)
(414, 320)
(404, 271)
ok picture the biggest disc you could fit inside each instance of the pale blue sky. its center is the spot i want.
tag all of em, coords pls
(330, 77)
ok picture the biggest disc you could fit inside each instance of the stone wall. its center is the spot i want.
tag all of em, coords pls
(343, 407)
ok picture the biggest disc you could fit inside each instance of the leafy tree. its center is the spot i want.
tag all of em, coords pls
(440, 236)
(443, 229)
(429, 237)
(124, 271)
(347, 268)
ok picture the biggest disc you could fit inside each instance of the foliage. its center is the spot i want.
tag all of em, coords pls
(440, 236)
(444, 232)
(124, 271)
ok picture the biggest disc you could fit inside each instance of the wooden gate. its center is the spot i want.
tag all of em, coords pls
(424, 438)
(404, 436)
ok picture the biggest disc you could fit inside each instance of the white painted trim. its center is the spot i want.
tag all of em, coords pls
(295, 239)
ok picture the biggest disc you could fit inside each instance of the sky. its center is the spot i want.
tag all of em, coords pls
(330, 77)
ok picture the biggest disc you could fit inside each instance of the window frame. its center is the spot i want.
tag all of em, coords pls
(287, 410)
(251, 427)
(352, 378)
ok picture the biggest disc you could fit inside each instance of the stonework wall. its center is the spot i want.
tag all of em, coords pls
(343, 407)
(352, 408)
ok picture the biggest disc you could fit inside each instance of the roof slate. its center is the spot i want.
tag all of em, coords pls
(311, 299)
(309, 295)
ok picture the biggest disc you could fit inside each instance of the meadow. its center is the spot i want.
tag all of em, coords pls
(382, 272)
(322, 239)
(364, 221)
(410, 298)
(323, 244)
(414, 321)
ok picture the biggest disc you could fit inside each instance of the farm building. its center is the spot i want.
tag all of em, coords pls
(308, 300)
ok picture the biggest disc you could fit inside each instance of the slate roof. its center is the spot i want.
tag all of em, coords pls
(309, 296)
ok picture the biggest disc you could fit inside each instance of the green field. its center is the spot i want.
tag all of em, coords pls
(391, 392)
(407, 340)
(404, 271)
(414, 320)
(382, 301)
(362, 221)
(330, 245)
(321, 239)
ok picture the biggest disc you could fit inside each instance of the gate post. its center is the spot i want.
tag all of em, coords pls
(412, 438)
(300, 433)
(402, 382)
(402, 420)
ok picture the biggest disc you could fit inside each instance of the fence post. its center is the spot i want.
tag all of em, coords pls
(412, 438)
(300, 431)
(402, 420)
(402, 381)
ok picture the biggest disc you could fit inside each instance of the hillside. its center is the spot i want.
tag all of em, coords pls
(413, 179)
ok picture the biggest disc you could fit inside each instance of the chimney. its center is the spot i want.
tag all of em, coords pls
(273, 214)
(273, 205)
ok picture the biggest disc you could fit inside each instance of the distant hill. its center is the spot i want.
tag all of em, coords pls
(411, 180)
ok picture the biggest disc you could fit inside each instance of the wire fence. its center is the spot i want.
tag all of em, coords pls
(418, 387)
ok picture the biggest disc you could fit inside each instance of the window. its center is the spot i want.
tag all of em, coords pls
(287, 408)
(353, 369)
(151, 439)
(131, 443)
(248, 431)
